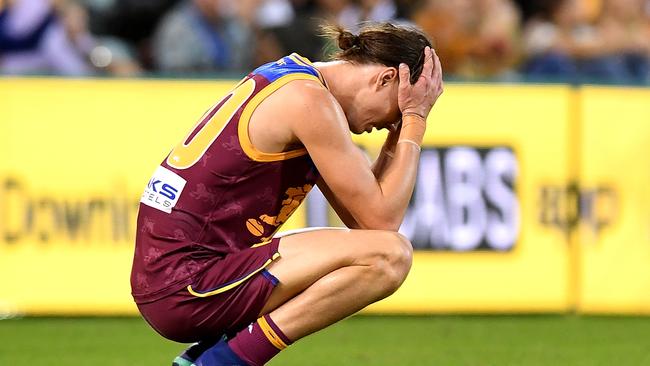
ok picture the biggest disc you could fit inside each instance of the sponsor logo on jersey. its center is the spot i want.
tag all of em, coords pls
(163, 190)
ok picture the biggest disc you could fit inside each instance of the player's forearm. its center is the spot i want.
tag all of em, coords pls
(398, 173)
(379, 166)
(397, 182)
(342, 212)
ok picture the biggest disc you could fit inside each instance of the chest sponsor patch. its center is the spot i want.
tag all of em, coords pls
(163, 190)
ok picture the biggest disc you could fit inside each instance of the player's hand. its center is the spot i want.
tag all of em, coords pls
(420, 97)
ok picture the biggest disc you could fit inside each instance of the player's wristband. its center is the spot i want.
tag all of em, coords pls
(413, 128)
(410, 142)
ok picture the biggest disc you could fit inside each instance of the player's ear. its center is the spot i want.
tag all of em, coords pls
(387, 76)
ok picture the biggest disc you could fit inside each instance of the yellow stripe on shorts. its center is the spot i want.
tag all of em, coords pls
(233, 284)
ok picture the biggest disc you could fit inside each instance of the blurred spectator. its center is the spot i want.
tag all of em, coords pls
(332, 10)
(23, 26)
(367, 11)
(38, 39)
(405, 8)
(496, 49)
(566, 40)
(275, 19)
(274, 13)
(557, 33)
(623, 26)
(350, 13)
(474, 38)
(205, 35)
(297, 32)
(130, 21)
(448, 23)
(39, 36)
(531, 8)
(562, 43)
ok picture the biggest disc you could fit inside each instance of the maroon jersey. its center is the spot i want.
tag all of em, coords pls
(215, 194)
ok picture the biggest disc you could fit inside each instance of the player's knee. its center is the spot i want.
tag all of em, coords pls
(400, 258)
(394, 261)
(402, 251)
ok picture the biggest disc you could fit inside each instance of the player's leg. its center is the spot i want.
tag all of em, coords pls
(334, 274)
(324, 276)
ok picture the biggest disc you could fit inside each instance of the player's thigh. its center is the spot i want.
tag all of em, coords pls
(307, 256)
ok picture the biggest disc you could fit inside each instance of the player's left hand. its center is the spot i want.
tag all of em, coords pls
(420, 97)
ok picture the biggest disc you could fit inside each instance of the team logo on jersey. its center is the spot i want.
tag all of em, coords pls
(163, 190)
(295, 195)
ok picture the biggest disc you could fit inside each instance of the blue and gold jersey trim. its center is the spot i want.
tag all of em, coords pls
(279, 73)
(232, 284)
(294, 63)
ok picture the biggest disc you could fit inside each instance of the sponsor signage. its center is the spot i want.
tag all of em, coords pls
(509, 213)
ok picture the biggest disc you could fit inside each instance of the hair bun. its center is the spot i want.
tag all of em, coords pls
(348, 40)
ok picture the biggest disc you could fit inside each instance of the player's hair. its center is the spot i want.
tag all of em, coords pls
(381, 43)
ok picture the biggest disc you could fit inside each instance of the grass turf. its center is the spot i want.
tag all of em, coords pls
(362, 340)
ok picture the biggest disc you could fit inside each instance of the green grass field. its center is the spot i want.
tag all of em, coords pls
(362, 340)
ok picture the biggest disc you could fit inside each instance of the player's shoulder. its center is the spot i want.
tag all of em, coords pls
(308, 95)
(316, 104)
(312, 110)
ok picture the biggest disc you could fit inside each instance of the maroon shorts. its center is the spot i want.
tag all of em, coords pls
(222, 300)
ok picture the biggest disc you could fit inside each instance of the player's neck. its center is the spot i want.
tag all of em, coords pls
(343, 80)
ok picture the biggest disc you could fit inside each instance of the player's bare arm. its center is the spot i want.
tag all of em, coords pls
(374, 202)
(386, 155)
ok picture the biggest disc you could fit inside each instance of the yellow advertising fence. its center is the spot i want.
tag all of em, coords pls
(614, 235)
(529, 198)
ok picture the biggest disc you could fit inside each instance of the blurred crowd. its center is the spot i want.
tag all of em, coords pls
(563, 40)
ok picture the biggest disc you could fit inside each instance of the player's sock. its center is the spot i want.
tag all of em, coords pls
(260, 342)
(219, 355)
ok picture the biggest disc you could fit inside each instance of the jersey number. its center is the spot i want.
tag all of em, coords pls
(187, 153)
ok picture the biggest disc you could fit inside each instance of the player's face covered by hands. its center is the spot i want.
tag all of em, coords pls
(376, 105)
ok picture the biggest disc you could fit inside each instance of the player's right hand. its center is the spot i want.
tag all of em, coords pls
(420, 97)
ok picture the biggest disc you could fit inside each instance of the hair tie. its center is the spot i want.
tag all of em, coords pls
(356, 41)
